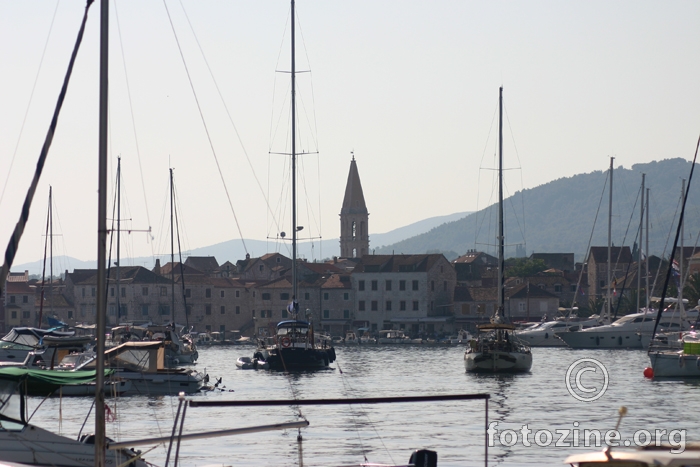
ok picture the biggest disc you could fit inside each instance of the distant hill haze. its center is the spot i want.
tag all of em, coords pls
(560, 216)
(234, 250)
(557, 217)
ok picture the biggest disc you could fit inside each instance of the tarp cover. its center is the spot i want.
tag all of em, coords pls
(58, 378)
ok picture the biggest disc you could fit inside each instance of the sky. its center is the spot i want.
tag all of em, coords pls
(410, 88)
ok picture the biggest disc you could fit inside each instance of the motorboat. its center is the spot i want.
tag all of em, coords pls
(351, 338)
(143, 365)
(294, 348)
(247, 363)
(543, 334)
(52, 351)
(393, 336)
(16, 344)
(627, 331)
(676, 363)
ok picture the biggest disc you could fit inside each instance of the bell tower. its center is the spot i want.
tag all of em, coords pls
(354, 234)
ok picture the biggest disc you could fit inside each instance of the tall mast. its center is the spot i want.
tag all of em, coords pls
(680, 259)
(501, 259)
(646, 249)
(639, 250)
(51, 253)
(172, 250)
(294, 169)
(609, 298)
(102, 238)
(119, 230)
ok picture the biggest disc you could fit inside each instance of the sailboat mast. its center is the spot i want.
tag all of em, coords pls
(609, 298)
(639, 250)
(294, 167)
(51, 253)
(119, 231)
(102, 238)
(501, 259)
(680, 259)
(172, 249)
(646, 263)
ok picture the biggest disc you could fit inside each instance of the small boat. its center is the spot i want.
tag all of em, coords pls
(16, 344)
(247, 363)
(394, 336)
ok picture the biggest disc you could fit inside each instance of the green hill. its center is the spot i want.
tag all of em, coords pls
(559, 217)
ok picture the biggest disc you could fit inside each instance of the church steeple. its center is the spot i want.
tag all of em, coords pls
(354, 234)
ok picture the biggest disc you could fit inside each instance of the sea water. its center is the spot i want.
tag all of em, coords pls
(534, 418)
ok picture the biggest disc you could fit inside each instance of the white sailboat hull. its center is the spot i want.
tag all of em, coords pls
(675, 364)
(32, 445)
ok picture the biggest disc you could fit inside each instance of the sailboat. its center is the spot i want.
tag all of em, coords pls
(496, 348)
(294, 346)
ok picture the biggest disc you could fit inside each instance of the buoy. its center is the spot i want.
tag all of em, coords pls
(648, 372)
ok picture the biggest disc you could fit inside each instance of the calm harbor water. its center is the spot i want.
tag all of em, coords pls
(342, 435)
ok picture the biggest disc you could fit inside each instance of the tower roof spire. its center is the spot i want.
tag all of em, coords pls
(354, 201)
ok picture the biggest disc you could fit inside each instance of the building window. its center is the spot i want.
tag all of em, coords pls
(122, 310)
(222, 329)
(223, 310)
(284, 313)
(238, 310)
(374, 285)
(402, 285)
(284, 296)
(207, 309)
(207, 328)
(122, 291)
(266, 296)
(432, 286)
(375, 306)
(70, 314)
(466, 309)
(402, 305)
(207, 293)
(361, 305)
(12, 299)
(573, 287)
(163, 291)
(346, 314)
(93, 292)
(252, 313)
(144, 310)
(307, 296)
(415, 285)
(83, 292)
(415, 305)
(111, 291)
(188, 293)
(388, 305)
(557, 288)
(388, 285)
(25, 315)
(83, 310)
(144, 291)
(261, 268)
(222, 294)
(326, 314)
(262, 313)
(602, 284)
(238, 293)
(14, 315)
(25, 299)
(325, 295)
(522, 306)
(346, 296)
(163, 310)
(360, 285)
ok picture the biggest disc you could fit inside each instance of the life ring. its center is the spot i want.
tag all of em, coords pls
(285, 341)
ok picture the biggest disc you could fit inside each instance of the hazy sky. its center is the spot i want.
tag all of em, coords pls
(411, 87)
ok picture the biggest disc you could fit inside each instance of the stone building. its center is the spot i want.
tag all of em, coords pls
(621, 259)
(410, 292)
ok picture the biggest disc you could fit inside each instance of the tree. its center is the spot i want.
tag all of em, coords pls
(524, 267)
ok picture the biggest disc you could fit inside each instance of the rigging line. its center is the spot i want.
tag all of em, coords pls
(228, 113)
(478, 181)
(590, 240)
(182, 268)
(13, 244)
(206, 128)
(619, 253)
(133, 122)
(29, 104)
(675, 242)
(517, 221)
(668, 237)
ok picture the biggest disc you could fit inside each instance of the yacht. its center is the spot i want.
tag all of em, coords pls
(627, 331)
